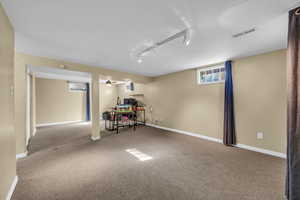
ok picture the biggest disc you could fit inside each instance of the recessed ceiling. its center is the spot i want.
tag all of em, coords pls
(109, 33)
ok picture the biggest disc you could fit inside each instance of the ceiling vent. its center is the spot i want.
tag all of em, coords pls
(244, 33)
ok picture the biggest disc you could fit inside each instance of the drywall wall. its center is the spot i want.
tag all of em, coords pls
(141, 94)
(139, 90)
(260, 100)
(55, 103)
(259, 95)
(20, 82)
(7, 135)
(179, 103)
(22, 60)
(108, 97)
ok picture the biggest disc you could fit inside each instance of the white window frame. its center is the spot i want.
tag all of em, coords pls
(205, 69)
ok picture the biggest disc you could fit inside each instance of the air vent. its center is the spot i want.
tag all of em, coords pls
(244, 33)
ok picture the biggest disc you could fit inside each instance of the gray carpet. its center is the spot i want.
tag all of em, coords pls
(65, 165)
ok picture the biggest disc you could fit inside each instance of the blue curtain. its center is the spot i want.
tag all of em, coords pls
(88, 111)
(229, 137)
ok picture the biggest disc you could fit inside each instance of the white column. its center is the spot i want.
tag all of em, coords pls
(33, 105)
(95, 107)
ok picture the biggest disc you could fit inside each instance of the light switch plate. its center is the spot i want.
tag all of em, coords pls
(260, 135)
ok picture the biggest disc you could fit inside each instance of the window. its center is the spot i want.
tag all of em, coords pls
(211, 75)
(77, 87)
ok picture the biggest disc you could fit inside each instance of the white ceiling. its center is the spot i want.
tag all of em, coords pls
(109, 33)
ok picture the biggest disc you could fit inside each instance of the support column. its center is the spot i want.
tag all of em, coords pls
(33, 106)
(95, 108)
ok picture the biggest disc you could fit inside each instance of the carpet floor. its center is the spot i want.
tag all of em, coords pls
(64, 164)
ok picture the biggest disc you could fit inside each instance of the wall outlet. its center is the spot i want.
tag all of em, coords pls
(260, 135)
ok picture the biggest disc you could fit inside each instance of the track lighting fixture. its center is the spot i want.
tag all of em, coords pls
(186, 34)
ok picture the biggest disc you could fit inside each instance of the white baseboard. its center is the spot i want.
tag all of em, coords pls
(187, 133)
(59, 123)
(12, 188)
(242, 146)
(21, 155)
(95, 138)
(260, 150)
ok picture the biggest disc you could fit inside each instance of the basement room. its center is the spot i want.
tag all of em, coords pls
(150, 100)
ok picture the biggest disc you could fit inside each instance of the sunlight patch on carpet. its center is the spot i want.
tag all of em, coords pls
(141, 156)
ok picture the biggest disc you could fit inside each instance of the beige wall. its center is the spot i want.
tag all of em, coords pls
(139, 88)
(7, 136)
(55, 103)
(179, 103)
(260, 102)
(108, 97)
(20, 105)
(21, 60)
